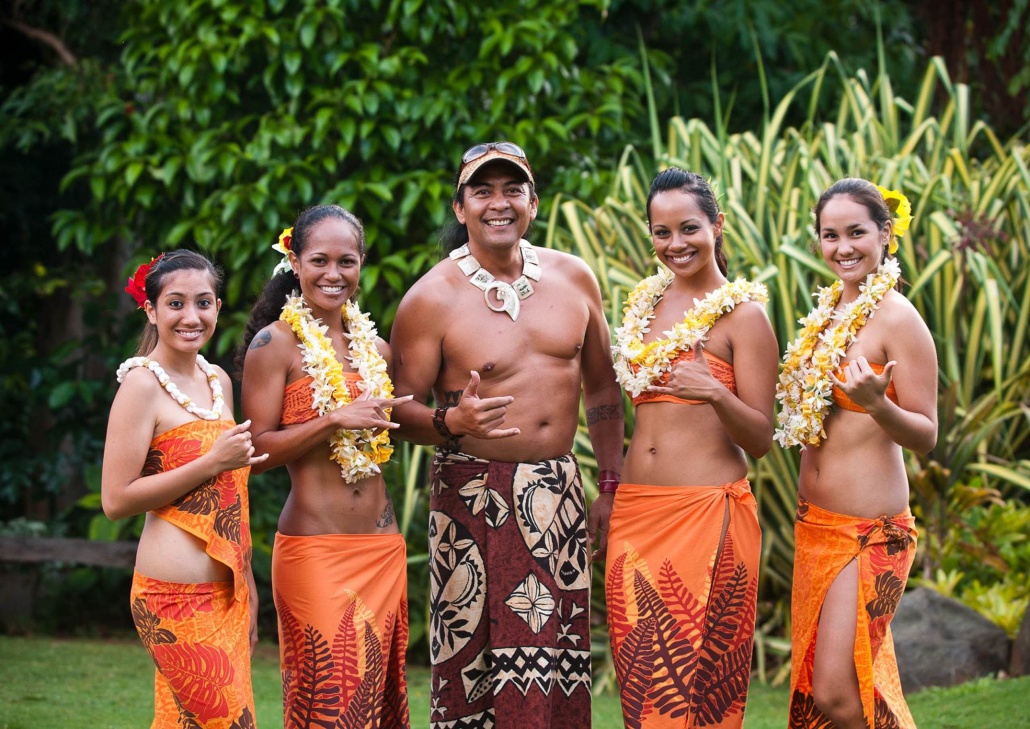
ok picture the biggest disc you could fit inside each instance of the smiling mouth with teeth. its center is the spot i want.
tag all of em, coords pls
(331, 289)
(498, 223)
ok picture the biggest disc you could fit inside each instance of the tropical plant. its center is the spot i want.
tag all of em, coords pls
(970, 191)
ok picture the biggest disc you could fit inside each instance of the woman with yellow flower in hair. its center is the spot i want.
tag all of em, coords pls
(317, 389)
(697, 354)
(858, 385)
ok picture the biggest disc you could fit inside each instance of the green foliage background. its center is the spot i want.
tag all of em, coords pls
(127, 128)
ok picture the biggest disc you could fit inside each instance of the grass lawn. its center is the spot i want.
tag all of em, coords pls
(53, 683)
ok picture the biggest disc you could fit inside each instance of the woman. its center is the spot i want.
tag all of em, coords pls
(683, 552)
(178, 456)
(854, 533)
(316, 387)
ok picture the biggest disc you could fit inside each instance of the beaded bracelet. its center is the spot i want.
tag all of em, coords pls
(451, 440)
(608, 482)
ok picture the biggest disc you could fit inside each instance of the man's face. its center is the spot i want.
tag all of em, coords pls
(496, 208)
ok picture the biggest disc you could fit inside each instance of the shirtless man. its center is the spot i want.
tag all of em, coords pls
(506, 336)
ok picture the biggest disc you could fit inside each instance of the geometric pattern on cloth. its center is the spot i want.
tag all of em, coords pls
(682, 602)
(509, 594)
(198, 637)
(523, 667)
(884, 549)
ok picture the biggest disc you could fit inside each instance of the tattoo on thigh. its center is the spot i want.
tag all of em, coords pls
(386, 518)
(261, 339)
(604, 412)
(451, 398)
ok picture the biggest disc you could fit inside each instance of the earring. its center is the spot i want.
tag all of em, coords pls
(296, 275)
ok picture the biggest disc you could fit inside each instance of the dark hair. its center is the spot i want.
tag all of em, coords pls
(454, 234)
(675, 178)
(270, 303)
(862, 192)
(157, 276)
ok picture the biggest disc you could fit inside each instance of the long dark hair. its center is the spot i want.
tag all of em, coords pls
(675, 178)
(157, 277)
(270, 303)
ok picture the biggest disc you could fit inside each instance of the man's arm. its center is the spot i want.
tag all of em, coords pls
(603, 401)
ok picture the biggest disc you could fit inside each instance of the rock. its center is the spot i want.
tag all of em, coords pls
(941, 642)
(1021, 648)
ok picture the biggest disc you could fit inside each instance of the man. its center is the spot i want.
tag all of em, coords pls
(505, 336)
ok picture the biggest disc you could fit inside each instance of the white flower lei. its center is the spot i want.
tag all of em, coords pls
(218, 400)
(358, 452)
(805, 389)
(638, 366)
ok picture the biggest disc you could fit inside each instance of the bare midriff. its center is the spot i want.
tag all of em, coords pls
(170, 553)
(681, 445)
(857, 470)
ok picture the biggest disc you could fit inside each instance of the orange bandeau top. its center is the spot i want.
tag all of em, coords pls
(721, 370)
(298, 399)
(217, 512)
(843, 401)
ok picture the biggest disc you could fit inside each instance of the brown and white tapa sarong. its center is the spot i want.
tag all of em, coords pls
(509, 594)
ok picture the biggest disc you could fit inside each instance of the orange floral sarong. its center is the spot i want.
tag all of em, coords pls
(825, 543)
(198, 637)
(681, 602)
(343, 629)
(199, 634)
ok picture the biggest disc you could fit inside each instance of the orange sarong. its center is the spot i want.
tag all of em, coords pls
(681, 602)
(198, 637)
(825, 543)
(343, 629)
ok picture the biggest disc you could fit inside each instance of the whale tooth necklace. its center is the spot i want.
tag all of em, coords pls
(508, 295)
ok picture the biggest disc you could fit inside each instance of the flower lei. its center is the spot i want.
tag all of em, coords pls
(218, 400)
(638, 366)
(357, 451)
(805, 389)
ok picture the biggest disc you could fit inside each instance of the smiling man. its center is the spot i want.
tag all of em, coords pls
(506, 337)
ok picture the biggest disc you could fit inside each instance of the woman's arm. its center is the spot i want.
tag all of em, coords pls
(130, 429)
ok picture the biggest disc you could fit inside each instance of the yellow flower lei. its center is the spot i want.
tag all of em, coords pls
(638, 366)
(805, 389)
(357, 451)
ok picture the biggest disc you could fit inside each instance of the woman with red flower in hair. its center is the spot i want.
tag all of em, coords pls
(174, 452)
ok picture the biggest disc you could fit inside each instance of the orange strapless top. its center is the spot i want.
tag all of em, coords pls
(847, 403)
(298, 399)
(721, 370)
(217, 511)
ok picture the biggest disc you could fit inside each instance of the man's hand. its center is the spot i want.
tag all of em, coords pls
(480, 417)
(597, 525)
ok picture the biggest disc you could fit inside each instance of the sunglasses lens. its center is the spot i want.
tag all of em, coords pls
(474, 153)
(508, 148)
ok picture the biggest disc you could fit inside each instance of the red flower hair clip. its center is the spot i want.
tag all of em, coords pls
(137, 285)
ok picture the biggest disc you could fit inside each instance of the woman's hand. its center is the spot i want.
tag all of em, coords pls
(234, 449)
(866, 388)
(366, 413)
(691, 379)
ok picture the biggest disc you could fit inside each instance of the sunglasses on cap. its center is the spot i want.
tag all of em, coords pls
(474, 153)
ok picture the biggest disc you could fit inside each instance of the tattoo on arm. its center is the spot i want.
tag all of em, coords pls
(261, 339)
(386, 518)
(604, 412)
(451, 398)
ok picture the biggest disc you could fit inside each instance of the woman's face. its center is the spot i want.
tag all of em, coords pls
(682, 234)
(851, 243)
(186, 311)
(329, 266)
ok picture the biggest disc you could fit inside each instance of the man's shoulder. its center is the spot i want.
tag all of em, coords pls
(565, 264)
(432, 287)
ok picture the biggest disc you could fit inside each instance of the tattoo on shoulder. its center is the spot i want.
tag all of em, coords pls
(451, 398)
(386, 518)
(260, 339)
(604, 412)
